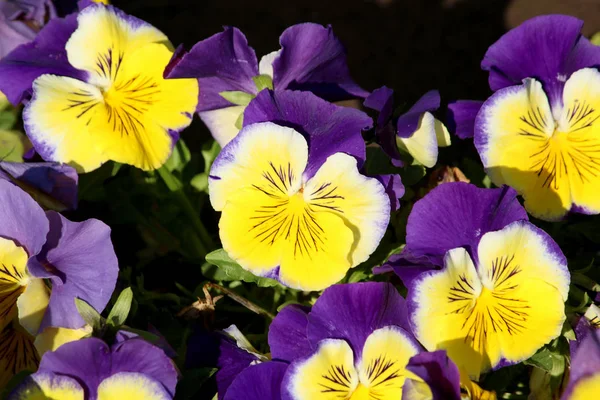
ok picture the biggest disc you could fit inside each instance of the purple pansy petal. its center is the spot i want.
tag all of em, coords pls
(549, 48)
(90, 361)
(223, 62)
(353, 311)
(258, 382)
(39, 384)
(45, 55)
(438, 372)
(408, 266)
(218, 350)
(328, 128)
(457, 214)
(312, 58)
(585, 362)
(59, 181)
(23, 220)
(288, 336)
(393, 187)
(81, 258)
(408, 122)
(461, 117)
(382, 101)
(584, 327)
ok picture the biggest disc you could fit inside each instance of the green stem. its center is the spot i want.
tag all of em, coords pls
(205, 241)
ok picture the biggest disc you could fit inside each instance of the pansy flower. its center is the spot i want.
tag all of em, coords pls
(584, 379)
(354, 343)
(586, 324)
(440, 379)
(230, 75)
(539, 131)
(500, 293)
(39, 250)
(294, 205)
(52, 185)
(97, 90)
(416, 132)
(89, 369)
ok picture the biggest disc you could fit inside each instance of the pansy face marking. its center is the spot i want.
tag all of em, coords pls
(17, 353)
(314, 229)
(125, 111)
(550, 153)
(13, 278)
(502, 309)
(334, 371)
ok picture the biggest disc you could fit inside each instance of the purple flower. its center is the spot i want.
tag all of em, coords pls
(89, 369)
(584, 379)
(311, 58)
(500, 294)
(21, 20)
(77, 258)
(288, 213)
(586, 325)
(416, 132)
(52, 185)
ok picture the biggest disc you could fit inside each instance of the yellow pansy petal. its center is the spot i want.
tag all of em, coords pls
(44, 386)
(423, 144)
(474, 392)
(581, 138)
(361, 201)
(442, 134)
(529, 282)
(17, 353)
(32, 305)
(104, 38)
(52, 338)
(327, 375)
(266, 155)
(416, 390)
(13, 278)
(221, 123)
(587, 388)
(382, 369)
(445, 302)
(131, 386)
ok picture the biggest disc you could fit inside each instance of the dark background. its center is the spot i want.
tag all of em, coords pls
(409, 45)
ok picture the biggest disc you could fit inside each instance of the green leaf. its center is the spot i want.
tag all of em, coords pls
(179, 158)
(170, 180)
(210, 151)
(234, 272)
(8, 118)
(239, 123)
(412, 174)
(550, 362)
(120, 310)
(90, 315)
(200, 182)
(595, 39)
(237, 97)
(12, 146)
(263, 82)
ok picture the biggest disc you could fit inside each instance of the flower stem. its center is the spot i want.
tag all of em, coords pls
(176, 187)
(239, 299)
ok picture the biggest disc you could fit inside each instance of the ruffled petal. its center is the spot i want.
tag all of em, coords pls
(353, 311)
(223, 62)
(288, 335)
(80, 260)
(328, 128)
(51, 184)
(457, 214)
(313, 59)
(439, 373)
(45, 55)
(131, 386)
(258, 382)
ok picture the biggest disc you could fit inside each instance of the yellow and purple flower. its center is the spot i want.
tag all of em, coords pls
(97, 93)
(89, 369)
(311, 58)
(584, 379)
(46, 261)
(294, 204)
(416, 132)
(539, 132)
(354, 343)
(485, 285)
